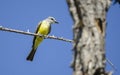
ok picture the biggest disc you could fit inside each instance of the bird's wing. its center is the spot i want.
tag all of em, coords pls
(39, 24)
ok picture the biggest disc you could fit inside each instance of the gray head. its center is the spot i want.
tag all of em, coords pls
(51, 20)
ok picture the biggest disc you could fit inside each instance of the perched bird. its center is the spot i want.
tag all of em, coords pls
(44, 28)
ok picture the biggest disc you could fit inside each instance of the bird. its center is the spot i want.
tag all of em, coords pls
(43, 28)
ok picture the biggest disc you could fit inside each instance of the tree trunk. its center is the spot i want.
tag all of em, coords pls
(89, 18)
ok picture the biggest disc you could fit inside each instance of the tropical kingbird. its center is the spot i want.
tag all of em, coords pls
(44, 28)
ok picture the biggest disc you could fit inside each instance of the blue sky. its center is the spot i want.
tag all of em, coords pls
(53, 56)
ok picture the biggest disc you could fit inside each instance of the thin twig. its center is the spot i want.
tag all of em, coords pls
(112, 65)
(33, 34)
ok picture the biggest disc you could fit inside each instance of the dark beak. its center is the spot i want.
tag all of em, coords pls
(56, 22)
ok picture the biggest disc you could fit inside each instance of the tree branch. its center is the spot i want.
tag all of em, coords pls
(33, 34)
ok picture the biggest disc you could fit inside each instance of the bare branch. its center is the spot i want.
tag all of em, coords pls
(112, 65)
(33, 34)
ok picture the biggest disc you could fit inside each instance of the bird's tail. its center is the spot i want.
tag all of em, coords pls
(31, 55)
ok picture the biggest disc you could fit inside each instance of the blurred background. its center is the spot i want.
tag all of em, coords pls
(53, 57)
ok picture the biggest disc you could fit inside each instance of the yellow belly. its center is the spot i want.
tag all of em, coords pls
(44, 30)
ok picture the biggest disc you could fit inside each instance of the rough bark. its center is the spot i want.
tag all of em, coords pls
(89, 18)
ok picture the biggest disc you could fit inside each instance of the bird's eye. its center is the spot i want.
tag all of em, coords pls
(52, 19)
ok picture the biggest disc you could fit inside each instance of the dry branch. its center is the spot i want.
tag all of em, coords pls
(33, 34)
